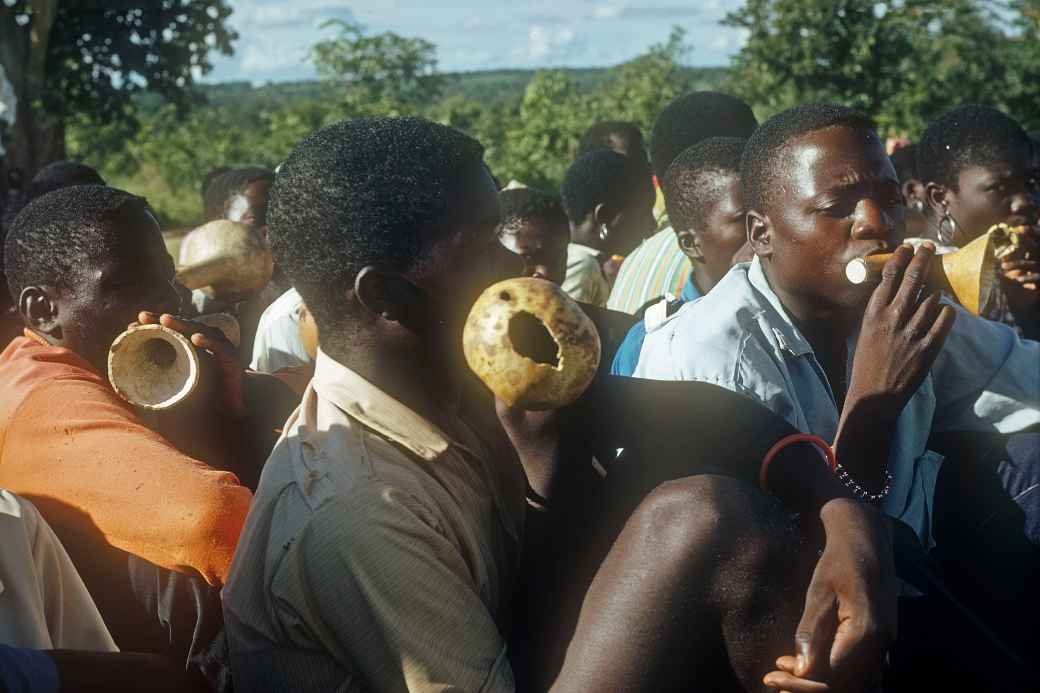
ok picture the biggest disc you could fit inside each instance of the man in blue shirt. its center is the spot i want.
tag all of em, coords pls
(874, 371)
(706, 207)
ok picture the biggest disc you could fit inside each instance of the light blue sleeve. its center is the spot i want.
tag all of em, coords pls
(27, 671)
(986, 378)
(627, 357)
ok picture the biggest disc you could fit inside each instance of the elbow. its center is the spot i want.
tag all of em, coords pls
(216, 530)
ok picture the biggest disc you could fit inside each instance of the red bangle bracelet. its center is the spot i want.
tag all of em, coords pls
(820, 443)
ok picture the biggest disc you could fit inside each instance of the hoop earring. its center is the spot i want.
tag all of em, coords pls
(947, 228)
(604, 232)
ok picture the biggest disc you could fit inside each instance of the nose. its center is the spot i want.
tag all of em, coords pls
(1026, 205)
(871, 221)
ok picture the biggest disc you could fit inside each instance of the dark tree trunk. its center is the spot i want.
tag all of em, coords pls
(37, 137)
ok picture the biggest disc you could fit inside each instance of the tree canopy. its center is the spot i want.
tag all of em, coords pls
(88, 57)
(904, 62)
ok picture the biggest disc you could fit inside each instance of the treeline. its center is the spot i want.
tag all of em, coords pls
(529, 121)
(904, 62)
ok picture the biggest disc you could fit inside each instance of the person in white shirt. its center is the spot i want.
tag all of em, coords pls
(609, 200)
(43, 601)
(278, 344)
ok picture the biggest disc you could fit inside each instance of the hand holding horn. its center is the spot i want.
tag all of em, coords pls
(155, 363)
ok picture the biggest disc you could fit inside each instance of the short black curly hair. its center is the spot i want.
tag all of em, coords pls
(54, 176)
(360, 192)
(693, 182)
(904, 160)
(59, 235)
(62, 174)
(602, 176)
(228, 184)
(694, 117)
(969, 135)
(523, 204)
(599, 136)
(764, 158)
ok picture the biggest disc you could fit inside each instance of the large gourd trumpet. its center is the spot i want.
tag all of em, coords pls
(155, 368)
(225, 259)
(531, 344)
(969, 274)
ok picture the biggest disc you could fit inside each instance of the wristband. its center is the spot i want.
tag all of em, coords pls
(794, 438)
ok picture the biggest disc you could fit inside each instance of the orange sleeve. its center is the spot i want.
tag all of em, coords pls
(82, 457)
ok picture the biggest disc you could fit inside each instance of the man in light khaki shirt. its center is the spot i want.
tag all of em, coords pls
(381, 549)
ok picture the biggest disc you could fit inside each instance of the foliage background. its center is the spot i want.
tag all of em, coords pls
(903, 61)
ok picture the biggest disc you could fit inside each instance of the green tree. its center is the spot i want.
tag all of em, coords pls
(1022, 54)
(380, 74)
(902, 62)
(552, 117)
(639, 89)
(67, 57)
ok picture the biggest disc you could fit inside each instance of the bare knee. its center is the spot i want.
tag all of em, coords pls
(744, 535)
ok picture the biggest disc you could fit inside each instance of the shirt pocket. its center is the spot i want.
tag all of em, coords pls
(920, 501)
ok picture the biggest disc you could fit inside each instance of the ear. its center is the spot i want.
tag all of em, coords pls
(602, 215)
(690, 243)
(909, 189)
(759, 233)
(388, 295)
(937, 197)
(40, 311)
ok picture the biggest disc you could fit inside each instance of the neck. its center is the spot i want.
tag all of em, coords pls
(823, 325)
(703, 278)
(588, 235)
(417, 377)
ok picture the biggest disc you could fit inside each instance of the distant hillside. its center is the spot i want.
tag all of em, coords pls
(491, 86)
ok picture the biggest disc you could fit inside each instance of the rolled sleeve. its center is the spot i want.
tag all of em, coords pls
(986, 378)
(390, 596)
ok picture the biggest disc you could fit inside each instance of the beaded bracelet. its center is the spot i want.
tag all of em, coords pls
(820, 443)
(858, 491)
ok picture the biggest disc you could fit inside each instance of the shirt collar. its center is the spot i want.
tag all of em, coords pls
(370, 406)
(690, 292)
(787, 335)
(583, 249)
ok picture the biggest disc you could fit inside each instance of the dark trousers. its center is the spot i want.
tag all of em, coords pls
(976, 627)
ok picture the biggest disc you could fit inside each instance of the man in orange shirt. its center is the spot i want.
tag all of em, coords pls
(81, 263)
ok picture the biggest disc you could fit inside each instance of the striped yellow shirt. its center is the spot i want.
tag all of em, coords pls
(658, 266)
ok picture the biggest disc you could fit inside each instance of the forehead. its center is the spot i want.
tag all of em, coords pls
(1011, 163)
(833, 157)
(729, 192)
(257, 189)
(536, 231)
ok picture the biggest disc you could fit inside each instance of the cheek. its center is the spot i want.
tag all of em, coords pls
(980, 209)
(733, 236)
(817, 255)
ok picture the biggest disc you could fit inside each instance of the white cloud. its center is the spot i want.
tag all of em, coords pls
(606, 11)
(259, 59)
(475, 34)
(543, 42)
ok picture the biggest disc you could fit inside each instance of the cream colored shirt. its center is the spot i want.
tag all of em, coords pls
(43, 602)
(585, 280)
(379, 553)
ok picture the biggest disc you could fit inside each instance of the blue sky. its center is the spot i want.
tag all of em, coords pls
(477, 34)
